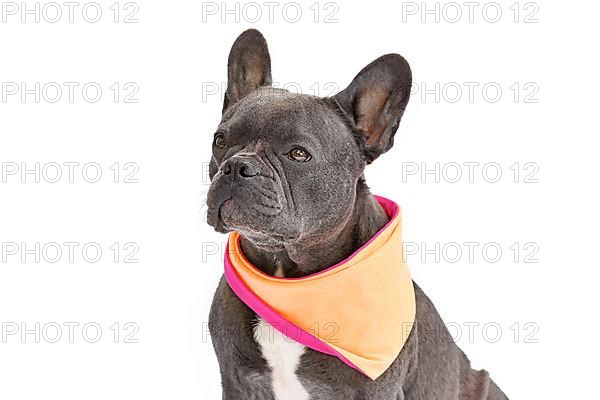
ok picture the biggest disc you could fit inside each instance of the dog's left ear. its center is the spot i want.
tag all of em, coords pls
(375, 101)
(248, 66)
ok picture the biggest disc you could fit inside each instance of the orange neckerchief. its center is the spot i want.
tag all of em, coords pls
(360, 310)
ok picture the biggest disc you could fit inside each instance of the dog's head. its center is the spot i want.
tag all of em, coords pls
(286, 166)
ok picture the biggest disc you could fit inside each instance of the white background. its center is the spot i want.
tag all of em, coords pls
(176, 56)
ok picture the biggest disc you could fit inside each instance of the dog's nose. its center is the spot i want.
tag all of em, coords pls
(243, 167)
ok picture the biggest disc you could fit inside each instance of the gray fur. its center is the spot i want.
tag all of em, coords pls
(306, 216)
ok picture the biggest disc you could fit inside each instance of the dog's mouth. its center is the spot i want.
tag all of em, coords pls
(224, 210)
(240, 213)
(258, 217)
(217, 216)
(236, 213)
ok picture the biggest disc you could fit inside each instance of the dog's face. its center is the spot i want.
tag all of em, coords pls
(286, 166)
(283, 165)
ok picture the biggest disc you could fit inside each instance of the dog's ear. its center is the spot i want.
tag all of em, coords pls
(375, 102)
(248, 66)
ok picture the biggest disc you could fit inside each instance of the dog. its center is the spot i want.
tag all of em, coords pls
(287, 173)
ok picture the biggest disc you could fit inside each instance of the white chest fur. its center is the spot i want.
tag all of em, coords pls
(283, 356)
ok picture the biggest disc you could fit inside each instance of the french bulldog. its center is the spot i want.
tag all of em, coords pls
(287, 173)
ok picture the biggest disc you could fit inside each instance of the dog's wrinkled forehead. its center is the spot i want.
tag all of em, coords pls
(276, 117)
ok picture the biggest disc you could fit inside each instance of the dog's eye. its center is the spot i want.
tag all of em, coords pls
(219, 141)
(299, 154)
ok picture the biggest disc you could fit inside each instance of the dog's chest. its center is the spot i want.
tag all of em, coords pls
(283, 357)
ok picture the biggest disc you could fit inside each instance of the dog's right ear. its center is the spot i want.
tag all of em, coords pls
(248, 66)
